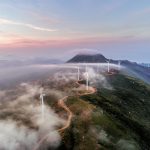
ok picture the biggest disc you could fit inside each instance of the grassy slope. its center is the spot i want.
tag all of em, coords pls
(111, 119)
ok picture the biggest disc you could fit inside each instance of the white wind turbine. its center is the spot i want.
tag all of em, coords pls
(108, 66)
(87, 81)
(42, 104)
(78, 73)
(87, 78)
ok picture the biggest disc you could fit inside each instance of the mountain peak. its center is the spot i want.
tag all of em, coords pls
(88, 58)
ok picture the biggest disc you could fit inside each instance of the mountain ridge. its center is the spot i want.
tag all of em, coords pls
(133, 67)
(95, 58)
(88, 58)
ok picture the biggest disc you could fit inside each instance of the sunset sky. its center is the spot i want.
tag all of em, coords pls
(119, 29)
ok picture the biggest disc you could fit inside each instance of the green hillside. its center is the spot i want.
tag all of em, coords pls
(117, 119)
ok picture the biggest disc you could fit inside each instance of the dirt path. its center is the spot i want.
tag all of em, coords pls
(91, 90)
(62, 104)
(70, 114)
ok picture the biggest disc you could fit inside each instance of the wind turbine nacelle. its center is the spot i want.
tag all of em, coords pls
(42, 95)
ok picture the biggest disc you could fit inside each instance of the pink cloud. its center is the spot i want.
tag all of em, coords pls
(62, 43)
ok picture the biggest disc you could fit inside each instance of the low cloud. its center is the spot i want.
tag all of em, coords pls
(97, 77)
(21, 122)
(13, 137)
(22, 112)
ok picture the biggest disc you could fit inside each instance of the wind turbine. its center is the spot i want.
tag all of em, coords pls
(87, 78)
(108, 66)
(87, 81)
(42, 104)
(78, 73)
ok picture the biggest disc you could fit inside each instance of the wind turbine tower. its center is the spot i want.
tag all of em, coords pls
(87, 81)
(87, 77)
(108, 66)
(78, 73)
(42, 104)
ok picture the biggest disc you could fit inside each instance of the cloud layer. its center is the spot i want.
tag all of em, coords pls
(21, 123)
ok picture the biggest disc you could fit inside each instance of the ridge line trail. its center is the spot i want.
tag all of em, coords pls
(62, 104)
(91, 90)
(70, 114)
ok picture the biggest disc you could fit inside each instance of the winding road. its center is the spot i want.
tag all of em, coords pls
(62, 104)
(70, 114)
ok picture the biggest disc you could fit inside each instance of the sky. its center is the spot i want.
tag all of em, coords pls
(119, 29)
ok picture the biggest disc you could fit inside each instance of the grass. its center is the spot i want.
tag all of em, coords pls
(81, 136)
(122, 113)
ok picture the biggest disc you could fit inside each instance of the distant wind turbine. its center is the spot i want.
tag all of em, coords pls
(108, 66)
(78, 73)
(87, 77)
(87, 81)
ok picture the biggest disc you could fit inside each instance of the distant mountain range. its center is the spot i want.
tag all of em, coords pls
(145, 65)
(133, 67)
